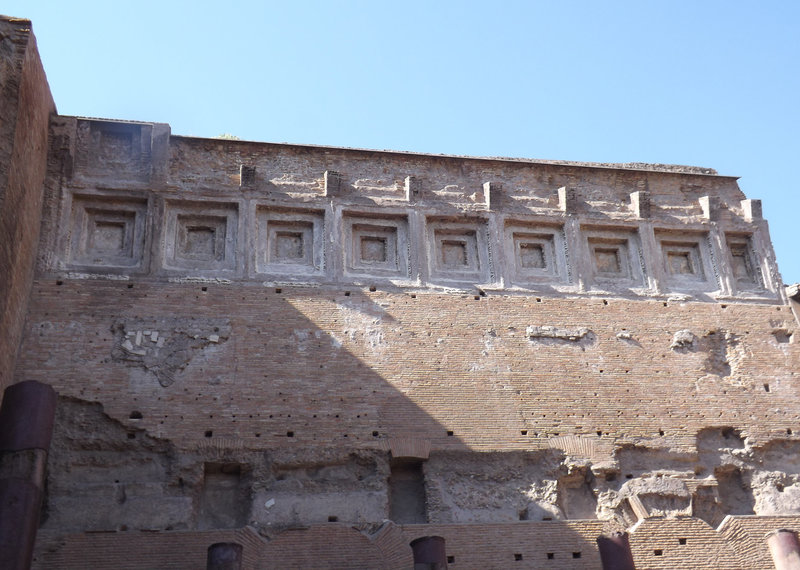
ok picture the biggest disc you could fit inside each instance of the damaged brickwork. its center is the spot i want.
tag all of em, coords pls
(165, 347)
(323, 354)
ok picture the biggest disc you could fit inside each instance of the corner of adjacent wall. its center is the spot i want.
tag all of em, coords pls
(26, 105)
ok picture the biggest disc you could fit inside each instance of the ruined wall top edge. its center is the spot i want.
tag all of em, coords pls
(131, 151)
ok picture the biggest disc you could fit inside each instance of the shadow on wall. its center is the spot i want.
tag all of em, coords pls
(150, 454)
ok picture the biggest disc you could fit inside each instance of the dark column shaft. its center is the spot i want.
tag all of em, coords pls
(615, 552)
(785, 549)
(26, 427)
(429, 553)
(224, 556)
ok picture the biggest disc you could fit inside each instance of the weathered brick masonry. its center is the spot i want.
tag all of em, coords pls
(26, 106)
(325, 353)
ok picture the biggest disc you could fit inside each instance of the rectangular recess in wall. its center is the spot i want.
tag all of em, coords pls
(458, 251)
(615, 257)
(376, 246)
(201, 237)
(743, 262)
(535, 253)
(106, 232)
(289, 242)
(407, 503)
(114, 149)
(225, 496)
(686, 260)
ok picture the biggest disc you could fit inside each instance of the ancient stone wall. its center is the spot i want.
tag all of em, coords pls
(309, 340)
(26, 107)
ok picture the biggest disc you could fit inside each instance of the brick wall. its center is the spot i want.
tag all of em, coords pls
(334, 368)
(27, 104)
(542, 340)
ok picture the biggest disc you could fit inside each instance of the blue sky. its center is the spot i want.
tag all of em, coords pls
(712, 83)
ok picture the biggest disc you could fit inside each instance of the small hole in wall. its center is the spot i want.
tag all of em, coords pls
(289, 434)
(258, 435)
(783, 336)
(599, 433)
(413, 296)
(477, 297)
(131, 436)
(576, 554)
(374, 434)
(658, 553)
(629, 475)
(450, 433)
(372, 289)
(779, 487)
(347, 293)
(518, 557)
(451, 559)
(605, 302)
(788, 431)
(135, 415)
(665, 303)
(551, 555)
(538, 300)
(611, 477)
(681, 541)
(130, 285)
(59, 283)
(661, 432)
(547, 518)
(279, 290)
(523, 432)
(209, 433)
(724, 306)
(333, 518)
(766, 387)
(204, 289)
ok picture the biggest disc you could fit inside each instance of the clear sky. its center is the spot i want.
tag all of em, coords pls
(707, 83)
